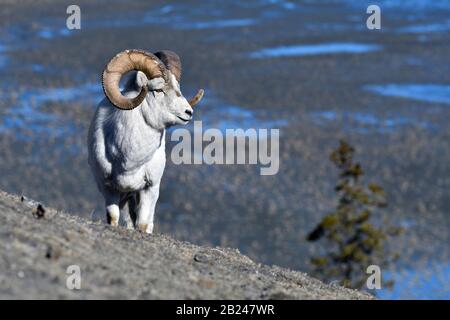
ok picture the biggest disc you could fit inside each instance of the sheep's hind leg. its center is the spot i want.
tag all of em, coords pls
(146, 208)
(112, 208)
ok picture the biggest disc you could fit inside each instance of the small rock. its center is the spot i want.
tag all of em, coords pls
(201, 257)
(206, 283)
(53, 252)
(280, 295)
(39, 211)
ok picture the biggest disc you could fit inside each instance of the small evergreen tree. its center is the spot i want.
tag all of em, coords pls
(352, 241)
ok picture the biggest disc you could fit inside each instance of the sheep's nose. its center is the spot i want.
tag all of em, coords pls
(189, 112)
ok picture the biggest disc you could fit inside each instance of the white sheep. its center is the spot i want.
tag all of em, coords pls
(126, 140)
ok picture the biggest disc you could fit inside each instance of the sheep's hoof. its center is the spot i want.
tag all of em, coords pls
(113, 222)
(143, 227)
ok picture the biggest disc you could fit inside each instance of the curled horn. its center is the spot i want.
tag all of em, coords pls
(196, 99)
(124, 62)
(173, 63)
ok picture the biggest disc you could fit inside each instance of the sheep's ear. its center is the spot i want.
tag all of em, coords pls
(141, 79)
(156, 83)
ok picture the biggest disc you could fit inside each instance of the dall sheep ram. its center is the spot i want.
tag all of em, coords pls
(126, 140)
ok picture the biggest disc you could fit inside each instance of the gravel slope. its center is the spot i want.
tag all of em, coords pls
(36, 247)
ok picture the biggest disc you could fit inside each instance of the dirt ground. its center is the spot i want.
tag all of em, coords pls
(38, 247)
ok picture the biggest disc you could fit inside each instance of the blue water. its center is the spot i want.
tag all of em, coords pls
(438, 93)
(429, 282)
(218, 114)
(29, 118)
(226, 23)
(186, 17)
(3, 56)
(235, 117)
(399, 5)
(49, 33)
(26, 113)
(182, 16)
(369, 121)
(3, 61)
(315, 49)
(426, 28)
(227, 116)
(85, 92)
(288, 5)
(36, 67)
(175, 16)
(7, 62)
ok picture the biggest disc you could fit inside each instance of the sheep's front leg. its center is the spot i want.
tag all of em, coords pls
(146, 208)
(112, 207)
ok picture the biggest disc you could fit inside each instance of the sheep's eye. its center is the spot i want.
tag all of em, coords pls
(158, 90)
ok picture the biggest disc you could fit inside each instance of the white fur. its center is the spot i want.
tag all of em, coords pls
(127, 148)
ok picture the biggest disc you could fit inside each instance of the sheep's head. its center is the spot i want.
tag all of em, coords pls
(158, 79)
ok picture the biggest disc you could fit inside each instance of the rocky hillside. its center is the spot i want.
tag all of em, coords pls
(38, 244)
